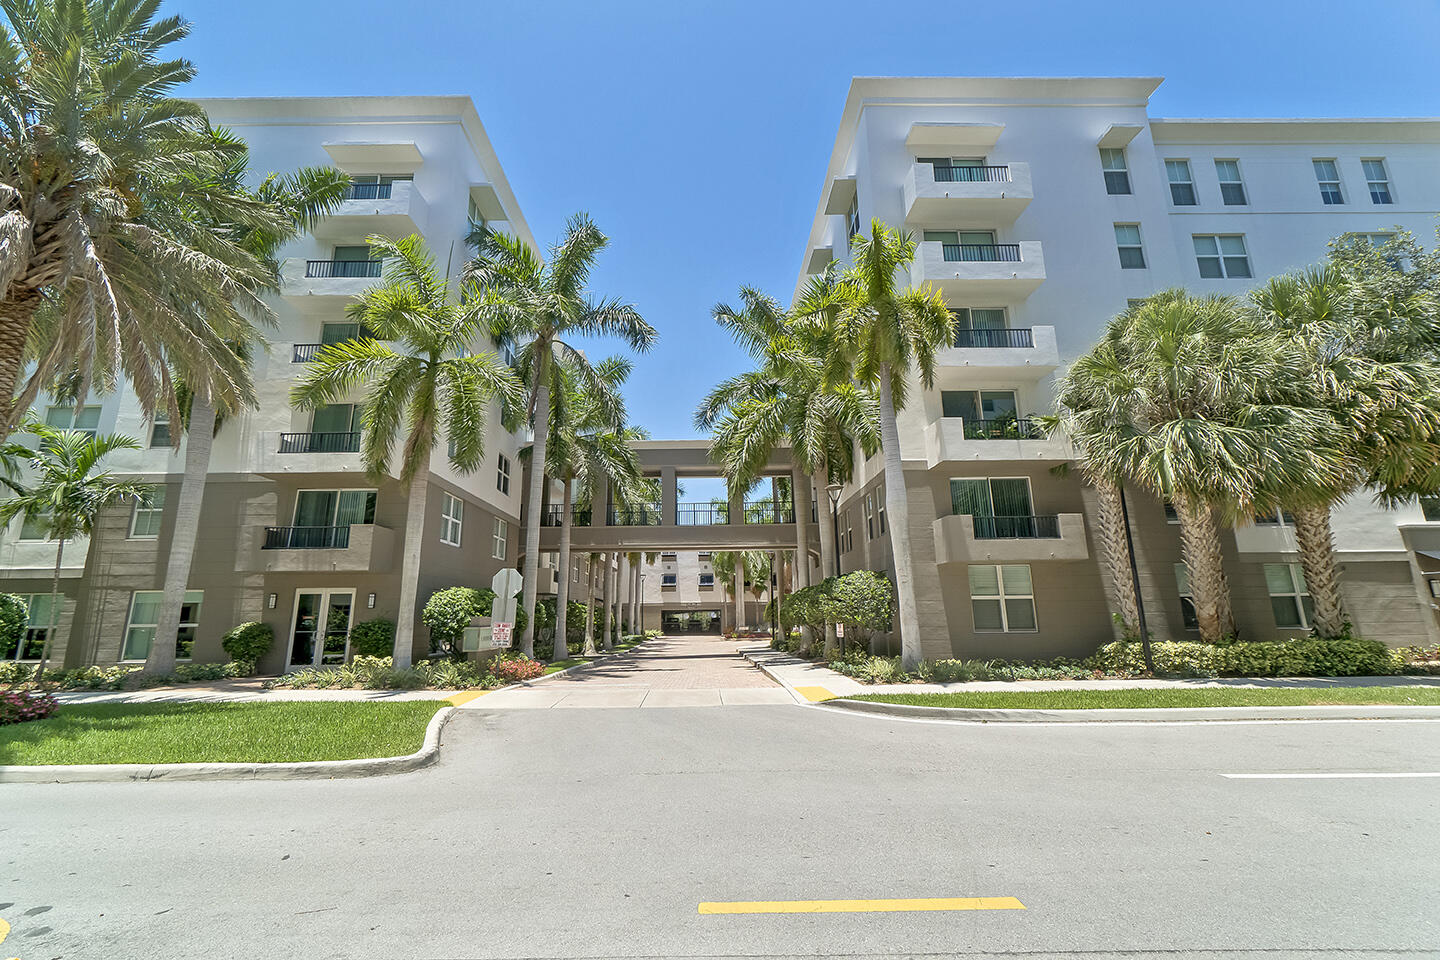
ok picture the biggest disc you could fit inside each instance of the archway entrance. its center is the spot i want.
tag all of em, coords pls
(690, 621)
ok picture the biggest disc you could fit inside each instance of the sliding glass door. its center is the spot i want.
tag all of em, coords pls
(1001, 506)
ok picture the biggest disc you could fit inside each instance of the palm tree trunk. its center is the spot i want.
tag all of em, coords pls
(537, 487)
(606, 579)
(1200, 547)
(897, 505)
(16, 314)
(801, 504)
(199, 439)
(612, 620)
(562, 589)
(54, 611)
(1317, 560)
(590, 568)
(828, 549)
(637, 617)
(1116, 550)
(410, 572)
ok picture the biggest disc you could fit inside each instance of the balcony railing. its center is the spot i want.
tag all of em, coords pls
(306, 538)
(1011, 429)
(320, 442)
(305, 352)
(982, 252)
(701, 514)
(369, 191)
(1000, 174)
(1017, 528)
(768, 511)
(987, 337)
(579, 516)
(646, 516)
(329, 269)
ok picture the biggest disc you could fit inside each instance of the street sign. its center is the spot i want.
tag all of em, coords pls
(506, 584)
(502, 635)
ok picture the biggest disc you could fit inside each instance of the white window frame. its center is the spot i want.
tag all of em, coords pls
(43, 519)
(1173, 167)
(1299, 592)
(452, 519)
(1383, 182)
(1324, 182)
(1220, 257)
(1124, 168)
(196, 597)
(151, 508)
(502, 474)
(161, 419)
(1238, 182)
(1138, 246)
(72, 414)
(852, 218)
(500, 538)
(1182, 588)
(1002, 596)
(870, 516)
(38, 629)
(703, 584)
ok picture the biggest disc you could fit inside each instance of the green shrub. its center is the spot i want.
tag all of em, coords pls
(449, 611)
(373, 638)
(861, 599)
(248, 642)
(14, 615)
(201, 672)
(1309, 656)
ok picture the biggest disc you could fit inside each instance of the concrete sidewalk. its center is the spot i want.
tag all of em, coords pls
(240, 691)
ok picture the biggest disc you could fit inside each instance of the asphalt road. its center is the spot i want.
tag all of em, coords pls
(597, 832)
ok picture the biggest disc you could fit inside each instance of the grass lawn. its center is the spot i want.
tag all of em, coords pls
(559, 665)
(1200, 697)
(218, 732)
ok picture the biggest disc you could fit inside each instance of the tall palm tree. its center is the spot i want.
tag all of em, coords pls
(306, 195)
(109, 189)
(882, 335)
(433, 386)
(537, 307)
(65, 491)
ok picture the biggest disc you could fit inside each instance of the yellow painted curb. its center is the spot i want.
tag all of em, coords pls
(864, 906)
(4, 930)
(465, 697)
(815, 694)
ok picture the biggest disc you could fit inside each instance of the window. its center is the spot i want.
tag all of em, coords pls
(1127, 241)
(1171, 516)
(667, 579)
(852, 219)
(1289, 597)
(667, 555)
(707, 580)
(145, 617)
(336, 418)
(704, 556)
(973, 327)
(1182, 185)
(149, 511)
(477, 219)
(1430, 507)
(1002, 598)
(501, 535)
(334, 508)
(160, 430)
(84, 419)
(502, 474)
(869, 516)
(1221, 255)
(452, 513)
(1232, 188)
(333, 333)
(1374, 239)
(1275, 518)
(978, 404)
(1327, 175)
(1377, 180)
(848, 534)
(1187, 599)
(37, 624)
(1117, 175)
(1000, 506)
(35, 527)
(880, 509)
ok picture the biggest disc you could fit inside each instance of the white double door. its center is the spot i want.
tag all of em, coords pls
(320, 632)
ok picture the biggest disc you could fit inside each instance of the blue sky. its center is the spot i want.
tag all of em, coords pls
(696, 133)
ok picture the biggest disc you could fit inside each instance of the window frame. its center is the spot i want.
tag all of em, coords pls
(161, 421)
(1323, 182)
(146, 504)
(75, 412)
(130, 625)
(1220, 257)
(1384, 181)
(1138, 247)
(1299, 593)
(1238, 183)
(852, 219)
(1123, 172)
(502, 474)
(1188, 616)
(1002, 596)
(499, 539)
(452, 519)
(35, 633)
(1171, 167)
(1430, 509)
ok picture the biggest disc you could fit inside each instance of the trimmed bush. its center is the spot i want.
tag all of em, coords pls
(1310, 656)
(373, 638)
(14, 615)
(20, 706)
(248, 642)
(449, 611)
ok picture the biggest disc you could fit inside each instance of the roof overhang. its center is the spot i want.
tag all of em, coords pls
(1359, 130)
(819, 259)
(953, 136)
(403, 156)
(487, 201)
(840, 195)
(1117, 136)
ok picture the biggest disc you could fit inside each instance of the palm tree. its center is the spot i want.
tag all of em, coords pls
(881, 332)
(537, 307)
(434, 387)
(66, 495)
(306, 195)
(109, 190)
(592, 569)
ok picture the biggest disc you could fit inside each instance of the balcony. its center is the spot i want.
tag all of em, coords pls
(966, 271)
(555, 512)
(305, 352)
(348, 442)
(280, 454)
(643, 516)
(768, 511)
(988, 196)
(954, 440)
(1026, 352)
(395, 209)
(325, 286)
(701, 514)
(356, 548)
(962, 538)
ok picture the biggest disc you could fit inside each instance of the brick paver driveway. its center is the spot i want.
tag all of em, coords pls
(679, 671)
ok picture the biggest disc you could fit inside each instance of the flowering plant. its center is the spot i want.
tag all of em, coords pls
(17, 706)
(512, 669)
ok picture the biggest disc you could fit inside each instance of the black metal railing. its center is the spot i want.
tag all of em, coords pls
(768, 511)
(982, 252)
(328, 269)
(1010, 429)
(306, 538)
(368, 191)
(1017, 528)
(320, 442)
(701, 514)
(579, 516)
(305, 352)
(646, 516)
(1000, 174)
(990, 337)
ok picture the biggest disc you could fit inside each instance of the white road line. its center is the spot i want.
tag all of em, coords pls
(1328, 776)
(862, 715)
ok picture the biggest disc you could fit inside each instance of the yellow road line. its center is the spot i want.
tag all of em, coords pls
(864, 906)
(4, 930)
(815, 694)
(465, 697)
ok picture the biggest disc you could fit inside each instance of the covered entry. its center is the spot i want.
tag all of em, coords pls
(689, 621)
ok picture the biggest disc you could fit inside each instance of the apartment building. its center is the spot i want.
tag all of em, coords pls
(293, 533)
(1042, 207)
(681, 593)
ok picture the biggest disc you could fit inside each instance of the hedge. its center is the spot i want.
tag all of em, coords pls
(248, 642)
(862, 600)
(1310, 656)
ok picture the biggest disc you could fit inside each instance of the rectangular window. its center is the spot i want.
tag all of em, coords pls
(84, 419)
(1002, 598)
(1378, 180)
(1187, 600)
(1430, 507)
(1275, 518)
(35, 527)
(1327, 175)
(1117, 175)
(707, 580)
(452, 514)
(704, 556)
(500, 536)
(334, 508)
(979, 404)
(37, 624)
(852, 219)
(869, 516)
(667, 579)
(1001, 507)
(1289, 597)
(880, 509)
(149, 511)
(1182, 185)
(1232, 188)
(1221, 256)
(502, 474)
(145, 616)
(160, 430)
(1170, 515)
(1127, 241)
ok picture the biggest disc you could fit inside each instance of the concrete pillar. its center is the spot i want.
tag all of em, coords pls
(736, 499)
(600, 504)
(668, 496)
(739, 591)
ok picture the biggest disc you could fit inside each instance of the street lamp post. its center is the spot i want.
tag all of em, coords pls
(833, 490)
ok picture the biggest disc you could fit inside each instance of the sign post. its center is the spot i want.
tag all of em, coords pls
(506, 584)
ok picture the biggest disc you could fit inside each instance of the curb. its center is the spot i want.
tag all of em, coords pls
(428, 753)
(795, 694)
(1137, 714)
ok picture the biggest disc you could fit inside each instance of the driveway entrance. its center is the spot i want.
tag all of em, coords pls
(685, 671)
